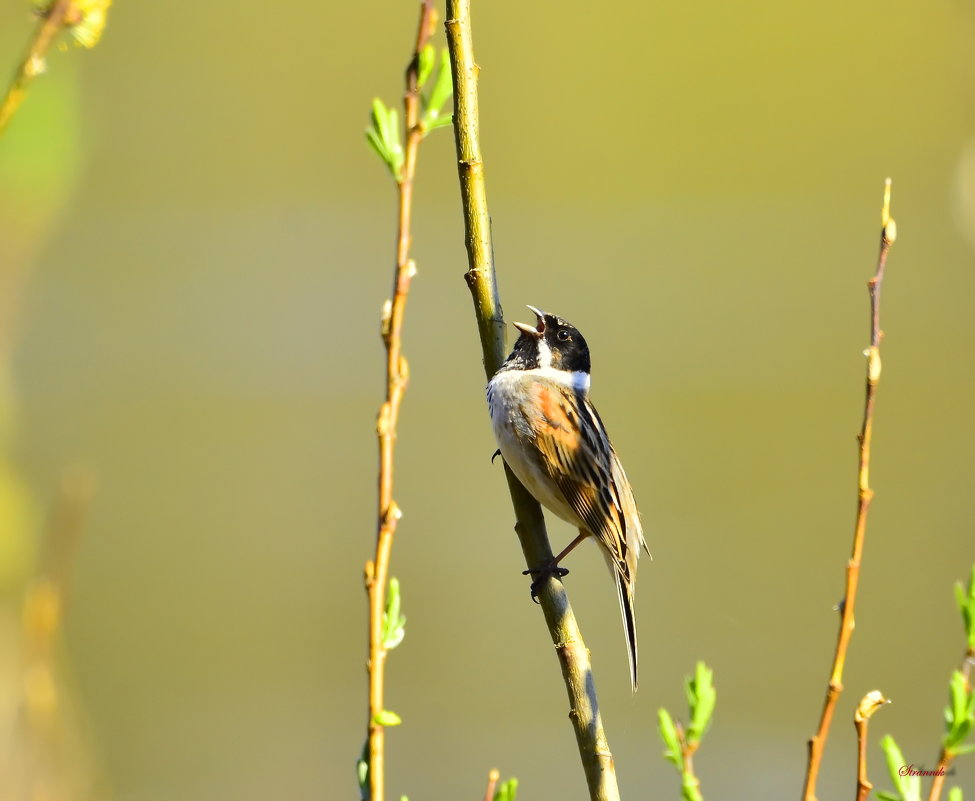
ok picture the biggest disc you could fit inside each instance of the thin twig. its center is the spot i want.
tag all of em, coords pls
(691, 783)
(869, 704)
(56, 17)
(397, 376)
(817, 743)
(597, 761)
(494, 775)
(938, 781)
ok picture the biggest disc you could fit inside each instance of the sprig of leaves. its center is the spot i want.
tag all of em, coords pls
(966, 605)
(394, 621)
(701, 697)
(432, 104)
(681, 743)
(384, 133)
(959, 716)
(384, 136)
(394, 630)
(506, 791)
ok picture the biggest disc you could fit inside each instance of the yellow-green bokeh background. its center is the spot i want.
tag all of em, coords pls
(196, 246)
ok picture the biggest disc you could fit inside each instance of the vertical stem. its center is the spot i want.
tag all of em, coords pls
(864, 496)
(597, 760)
(397, 377)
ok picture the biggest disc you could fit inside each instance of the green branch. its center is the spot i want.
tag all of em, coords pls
(597, 761)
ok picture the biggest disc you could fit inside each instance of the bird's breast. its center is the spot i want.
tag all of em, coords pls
(517, 405)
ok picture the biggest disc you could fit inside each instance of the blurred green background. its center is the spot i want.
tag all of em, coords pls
(195, 244)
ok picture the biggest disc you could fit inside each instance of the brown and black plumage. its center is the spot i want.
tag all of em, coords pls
(552, 438)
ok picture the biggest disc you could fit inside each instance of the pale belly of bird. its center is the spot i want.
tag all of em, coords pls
(513, 431)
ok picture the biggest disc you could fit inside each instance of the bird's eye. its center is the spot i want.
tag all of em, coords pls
(563, 335)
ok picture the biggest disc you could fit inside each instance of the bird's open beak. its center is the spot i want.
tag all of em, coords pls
(533, 330)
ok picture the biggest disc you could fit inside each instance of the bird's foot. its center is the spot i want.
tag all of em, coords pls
(540, 574)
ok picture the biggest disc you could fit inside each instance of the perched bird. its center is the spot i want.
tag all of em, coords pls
(551, 437)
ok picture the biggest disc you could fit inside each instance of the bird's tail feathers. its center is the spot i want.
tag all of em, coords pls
(629, 622)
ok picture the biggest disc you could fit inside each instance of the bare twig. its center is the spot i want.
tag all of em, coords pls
(397, 376)
(817, 743)
(869, 704)
(597, 761)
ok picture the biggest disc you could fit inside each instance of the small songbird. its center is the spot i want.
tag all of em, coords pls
(551, 437)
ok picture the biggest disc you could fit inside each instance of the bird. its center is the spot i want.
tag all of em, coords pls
(551, 436)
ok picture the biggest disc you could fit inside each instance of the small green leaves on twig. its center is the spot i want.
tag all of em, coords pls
(394, 622)
(959, 716)
(426, 59)
(701, 696)
(384, 136)
(384, 133)
(966, 605)
(362, 771)
(507, 791)
(668, 733)
(387, 718)
(681, 744)
(907, 784)
(432, 104)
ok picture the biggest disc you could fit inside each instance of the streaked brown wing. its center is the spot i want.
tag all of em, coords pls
(577, 455)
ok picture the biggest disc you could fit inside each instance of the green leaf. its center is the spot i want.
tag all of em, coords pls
(506, 791)
(384, 136)
(377, 144)
(362, 771)
(387, 718)
(704, 697)
(668, 733)
(380, 119)
(954, 794)
(394, 622)
(964, 749)
(439, 95)
(439, 122)
(966, 605)
(426, 59)
(883, 795)
(908, 787)
(443, 88)
(960, 712)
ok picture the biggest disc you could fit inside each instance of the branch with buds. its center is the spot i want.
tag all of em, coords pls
(422, 113)
(888, 233)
